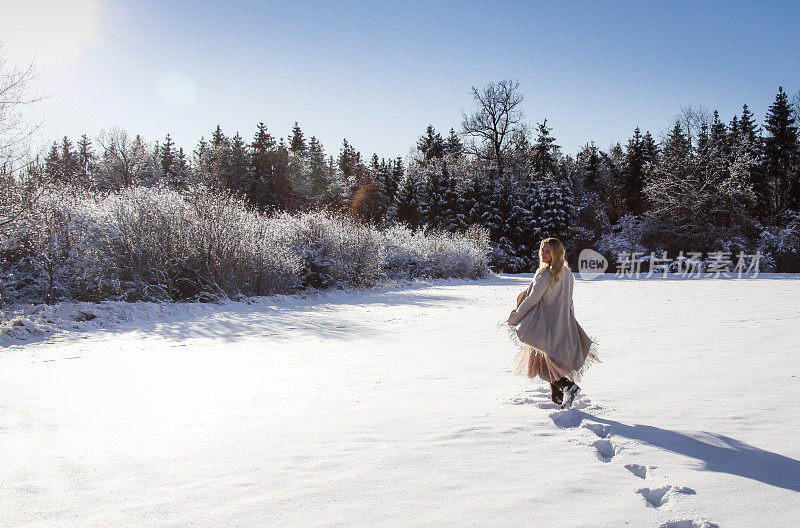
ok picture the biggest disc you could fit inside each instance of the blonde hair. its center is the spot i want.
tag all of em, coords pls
(557, 259)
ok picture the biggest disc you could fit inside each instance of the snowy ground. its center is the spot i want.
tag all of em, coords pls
(398, 408)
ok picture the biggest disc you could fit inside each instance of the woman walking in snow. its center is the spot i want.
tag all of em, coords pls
(552, 344)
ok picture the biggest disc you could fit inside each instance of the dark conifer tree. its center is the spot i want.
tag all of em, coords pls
(650, 149)
(52, 163)
(781, 157)
(318, 176)
(297, 145)
(453, 145)
(348, 160)
(431, 144)
(505, 218)
(614, 170)
(475, 200)
(239, 178)
(589, 165)
(633, 179)
(544, 160)
(166, 157)
(398, 172)
(87, 162)
(719, 152)
(733, 129)
(441, 200)
(279, 158)
(262, 151)
(218, 138)
(677, 154)
(213, 164)
(69, 161)
(747, 155)
(748, 127)
(387, 181)
(702, 161)
(182, 170)
(409, 204)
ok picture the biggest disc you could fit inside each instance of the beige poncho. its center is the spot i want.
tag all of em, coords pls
(545, 322)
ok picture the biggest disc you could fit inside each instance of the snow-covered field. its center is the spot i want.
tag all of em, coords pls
(397, 407)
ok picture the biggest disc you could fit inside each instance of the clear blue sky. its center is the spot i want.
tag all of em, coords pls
(377, 73)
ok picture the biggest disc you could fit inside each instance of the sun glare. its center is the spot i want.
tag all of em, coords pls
(49, 31)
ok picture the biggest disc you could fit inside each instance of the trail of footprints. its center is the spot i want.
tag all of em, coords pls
(606, 450)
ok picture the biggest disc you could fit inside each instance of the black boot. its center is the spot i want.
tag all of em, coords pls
(556, 393)
(570, 392)
(562, 384)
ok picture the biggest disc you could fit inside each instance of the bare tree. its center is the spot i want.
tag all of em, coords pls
(494, 121)
(123, 158)
(14, 95)
(692, 119)
(796, 107)
(17, 190)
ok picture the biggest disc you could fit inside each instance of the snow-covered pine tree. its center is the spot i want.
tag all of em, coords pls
(557, 208)
(52, 163)
(182, 170)
(720, 143)
(68, 161)
(87, 163)
(503, 219)
(650, 149)
(702, 161)
(544, 159)
(317, 176)
(441, 198)
(589, 168)
(475, 199)
(409, 203)
(239, 178)
(674, 193)
(431, 145)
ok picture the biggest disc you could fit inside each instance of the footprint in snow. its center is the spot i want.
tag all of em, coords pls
(689, 524)
(567, 419)
(605, 450)
(524, 400)
(639, 470)
(600, 430)
(658, 497)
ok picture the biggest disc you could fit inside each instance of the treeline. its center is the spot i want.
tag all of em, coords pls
(706, 185)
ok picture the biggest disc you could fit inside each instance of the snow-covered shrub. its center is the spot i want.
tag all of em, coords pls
(157, 244)
(174, 246)
(627, 236)
(436, 254)
(152, 246)
(780, 246)
(55, 252)
(335, 250)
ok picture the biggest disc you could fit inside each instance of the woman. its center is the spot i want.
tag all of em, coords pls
(553, 345)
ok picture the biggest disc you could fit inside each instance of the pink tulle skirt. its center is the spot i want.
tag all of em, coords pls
(532, 362)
